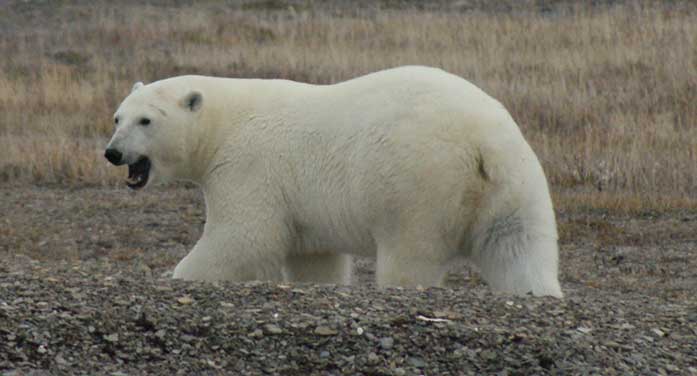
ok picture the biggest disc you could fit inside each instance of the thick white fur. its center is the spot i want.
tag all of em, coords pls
(412, 164)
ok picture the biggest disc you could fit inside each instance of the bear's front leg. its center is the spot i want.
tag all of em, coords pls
(243, 252)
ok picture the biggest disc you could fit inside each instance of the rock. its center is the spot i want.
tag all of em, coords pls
(185, 300)
(416, 362)
(60, 360)
(460, 352)
(658, 332)
(672, 368)
(112, 337)
(386, 343)
(373, 358)
(488, 355)
(257, 333)
(692, 316)
(272, 329)
(325, 331)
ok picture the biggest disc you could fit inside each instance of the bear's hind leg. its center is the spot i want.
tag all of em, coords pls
(513, 258)
(411, 264)
(319, 268)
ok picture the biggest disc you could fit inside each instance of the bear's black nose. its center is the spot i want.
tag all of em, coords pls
(113, 156)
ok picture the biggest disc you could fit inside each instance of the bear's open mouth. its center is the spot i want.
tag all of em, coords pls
(138, 173)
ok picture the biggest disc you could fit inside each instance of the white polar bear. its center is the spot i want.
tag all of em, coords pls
(413, 165)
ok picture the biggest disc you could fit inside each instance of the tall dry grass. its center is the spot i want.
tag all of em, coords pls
(606, 95)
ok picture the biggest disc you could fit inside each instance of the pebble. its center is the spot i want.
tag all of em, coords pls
(112, 337)
(386, 343)
(488, 355)
(416, 362)
(257, 333)
(272, 329)
(672, 368)
(373, 358)
(658, 332)
(325, 331)
(60, 360)
(185, 300)
(460, 352)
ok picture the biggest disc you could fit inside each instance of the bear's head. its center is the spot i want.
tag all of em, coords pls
(152, 129)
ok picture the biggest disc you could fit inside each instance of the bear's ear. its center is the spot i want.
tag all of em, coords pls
(192, 101)
(136, 86)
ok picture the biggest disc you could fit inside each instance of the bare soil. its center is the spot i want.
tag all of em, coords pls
(85, 289)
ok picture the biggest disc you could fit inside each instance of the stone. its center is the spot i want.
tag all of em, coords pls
(387, 343)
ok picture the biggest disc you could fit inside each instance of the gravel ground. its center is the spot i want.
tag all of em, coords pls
(84, 290)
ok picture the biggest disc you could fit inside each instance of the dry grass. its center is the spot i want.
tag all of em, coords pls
(606, 95)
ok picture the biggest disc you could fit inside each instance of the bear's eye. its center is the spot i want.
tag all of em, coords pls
(116, 120)
(144, 121)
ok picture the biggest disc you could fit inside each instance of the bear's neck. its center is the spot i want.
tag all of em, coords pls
(229, 121)
(218, 188)
(232, 170)
(212, 137)
(229, 143)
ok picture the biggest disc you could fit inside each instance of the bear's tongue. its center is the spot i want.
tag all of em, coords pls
(138, 173)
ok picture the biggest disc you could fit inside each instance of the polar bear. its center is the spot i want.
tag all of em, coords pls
(413, 165)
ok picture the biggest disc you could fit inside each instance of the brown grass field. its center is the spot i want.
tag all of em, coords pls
(606, 94)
